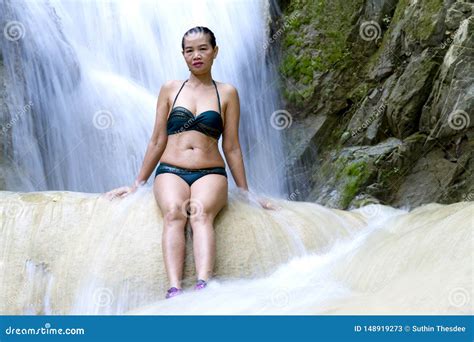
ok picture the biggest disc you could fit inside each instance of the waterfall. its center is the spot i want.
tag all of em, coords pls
(74, 253)
(82, 83)
(83, 79)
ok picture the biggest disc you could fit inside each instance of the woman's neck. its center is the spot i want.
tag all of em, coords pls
(198, 80)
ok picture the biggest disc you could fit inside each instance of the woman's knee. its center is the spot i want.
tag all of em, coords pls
(200, 218)
(174, 214)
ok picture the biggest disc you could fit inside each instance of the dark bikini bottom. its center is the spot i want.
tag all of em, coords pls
(189, 175)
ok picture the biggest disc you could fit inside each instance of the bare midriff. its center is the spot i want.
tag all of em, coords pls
(192, 150)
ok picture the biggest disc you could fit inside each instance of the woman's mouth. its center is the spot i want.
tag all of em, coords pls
(197, 64)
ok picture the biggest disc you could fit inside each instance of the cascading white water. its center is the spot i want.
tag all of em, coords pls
(90, 72)
(83, 81)
(72, 253)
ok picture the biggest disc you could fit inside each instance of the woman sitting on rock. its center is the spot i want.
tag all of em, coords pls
(191, 176)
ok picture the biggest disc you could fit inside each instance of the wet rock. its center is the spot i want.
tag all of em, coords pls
(457, 13)
(367, 124)
(363, 200)
(410, 93)
(411, 79)
(450, 107)
(434, 173)
(347, 173)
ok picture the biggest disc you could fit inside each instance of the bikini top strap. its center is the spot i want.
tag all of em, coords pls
(218, 98)
(178, 93)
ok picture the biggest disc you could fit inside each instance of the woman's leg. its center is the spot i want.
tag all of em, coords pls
(208, 196)
(171, 193)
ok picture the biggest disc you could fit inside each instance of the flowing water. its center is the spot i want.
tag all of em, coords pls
(83, 79)
(74, 253)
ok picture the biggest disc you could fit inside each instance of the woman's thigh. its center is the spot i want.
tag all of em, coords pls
(209, 196)
(171, 193)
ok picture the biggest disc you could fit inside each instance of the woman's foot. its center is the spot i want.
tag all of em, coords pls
(200, 284)
(172, 292)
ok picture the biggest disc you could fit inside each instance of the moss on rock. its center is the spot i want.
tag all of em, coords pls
(355, 175)
(315, 41)
(425, 25)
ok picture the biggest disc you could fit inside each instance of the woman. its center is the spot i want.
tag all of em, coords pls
(191, 175)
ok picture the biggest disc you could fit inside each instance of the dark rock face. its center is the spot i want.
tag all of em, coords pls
(450, 107)
(409, 94)
(387, 112)
(432, 172)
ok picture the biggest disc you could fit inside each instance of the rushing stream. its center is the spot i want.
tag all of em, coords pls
(64, 253)
(83, 81)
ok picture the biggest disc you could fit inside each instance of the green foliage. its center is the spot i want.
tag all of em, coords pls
(353, 175)
(425, 25)
(399, 11)
(359, 92)
(418, 28)
(315, 40)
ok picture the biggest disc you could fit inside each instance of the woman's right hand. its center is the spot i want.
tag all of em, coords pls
(120, 192)
(123, 191)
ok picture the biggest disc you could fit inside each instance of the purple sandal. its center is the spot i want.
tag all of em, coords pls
(200, 284)
(172, 292)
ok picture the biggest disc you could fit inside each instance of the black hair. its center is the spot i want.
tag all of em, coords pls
(203, 30)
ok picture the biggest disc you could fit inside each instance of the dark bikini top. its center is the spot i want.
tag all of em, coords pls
(209, 122)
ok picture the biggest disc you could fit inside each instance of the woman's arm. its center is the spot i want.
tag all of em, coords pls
(230, 140)
(159, 137)
(231, 147)
(155, 148)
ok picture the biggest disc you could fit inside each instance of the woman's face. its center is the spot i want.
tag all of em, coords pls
(198, 52)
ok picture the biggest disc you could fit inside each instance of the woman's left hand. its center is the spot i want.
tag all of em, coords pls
(256, 200)
(266, 204)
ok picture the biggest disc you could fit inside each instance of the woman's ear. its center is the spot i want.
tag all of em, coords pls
(216, 50)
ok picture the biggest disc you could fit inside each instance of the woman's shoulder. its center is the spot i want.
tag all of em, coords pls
(171, 83)
(169, 87)
(227, 88)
